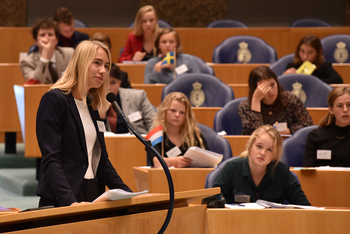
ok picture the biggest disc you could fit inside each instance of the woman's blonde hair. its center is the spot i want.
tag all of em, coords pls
(139, 17)
(190, 131)
(276, 137)
(76, 74)
(332, 96)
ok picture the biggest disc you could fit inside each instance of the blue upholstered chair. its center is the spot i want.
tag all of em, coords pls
(80, 24)
(215, 142)
(202, 89)
(244, 49)
(227, 23)
(203, 66)
(313, 93)
(227, 119)
(294, 147)
(336, 48)
(213, 175)
(310, 22)
(161, 23)
(280, 65)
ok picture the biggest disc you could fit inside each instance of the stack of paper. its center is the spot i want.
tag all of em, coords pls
(202, 157)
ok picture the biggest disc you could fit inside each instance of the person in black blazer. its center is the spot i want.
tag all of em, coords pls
(75, 167)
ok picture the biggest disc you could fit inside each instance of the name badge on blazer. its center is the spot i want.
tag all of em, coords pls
(242, 198)
(173, 152)
(134, 116)
(181, 69)
(101, 126)
(324, 154)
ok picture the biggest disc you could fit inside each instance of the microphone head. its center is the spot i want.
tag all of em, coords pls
(111, 97)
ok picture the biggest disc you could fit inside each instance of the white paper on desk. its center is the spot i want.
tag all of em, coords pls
(202, 157)
(290, 206)
(251, 205)
(117, 194)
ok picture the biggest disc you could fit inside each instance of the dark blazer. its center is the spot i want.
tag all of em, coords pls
(62, 143)
(76, 38)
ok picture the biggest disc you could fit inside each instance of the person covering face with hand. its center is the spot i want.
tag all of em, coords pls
(46, 65)
(268, 103)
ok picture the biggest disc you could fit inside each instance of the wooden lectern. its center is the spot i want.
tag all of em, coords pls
(136, 215)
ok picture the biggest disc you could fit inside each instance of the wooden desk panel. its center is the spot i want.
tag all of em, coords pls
(325, 188)
(205, 115)
(276, 221)
(184, 179)
(126, 152)
(10, 75)
(154, 92)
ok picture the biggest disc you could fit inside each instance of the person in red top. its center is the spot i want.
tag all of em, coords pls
(140, 43)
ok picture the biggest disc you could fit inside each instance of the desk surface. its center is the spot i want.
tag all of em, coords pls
(277, 221)
(325, 188)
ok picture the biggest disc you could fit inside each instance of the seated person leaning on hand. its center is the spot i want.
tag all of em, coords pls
(259, 174)
(180, 131)
(329, 144)
(48, 64)
(268, 103)
(134, 103)
(168, 40)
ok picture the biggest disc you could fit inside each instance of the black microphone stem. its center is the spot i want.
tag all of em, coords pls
(159, 157)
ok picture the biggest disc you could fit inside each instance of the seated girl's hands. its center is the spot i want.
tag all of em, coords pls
(158, 67)
(182, 161)
(291, 70)
(138, 56)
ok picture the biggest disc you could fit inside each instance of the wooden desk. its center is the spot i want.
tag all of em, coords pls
(284, 39)
(276, 221)
(136, 215)
(154, 92)
(184, 179)
(126, 152)
(325, 188)
(10, 75)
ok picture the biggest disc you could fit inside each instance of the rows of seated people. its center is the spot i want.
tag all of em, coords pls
(272, 101)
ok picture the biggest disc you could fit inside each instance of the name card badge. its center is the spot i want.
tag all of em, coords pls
(101, 126)
(173, 152)
(242, 198)
(324, 154)
(281, 126)
(134, 116)
(181, 69)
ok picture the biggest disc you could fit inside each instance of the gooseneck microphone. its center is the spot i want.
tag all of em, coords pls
(112, 99)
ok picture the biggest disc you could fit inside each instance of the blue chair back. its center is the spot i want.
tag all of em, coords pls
(316, 90)
(227, 23)
(216, 143)
(215, 92)
(80, 24)
(227, 51)
(336, 48)
(294, 147)
(280, 65)
(213, 175)
(310, 22)
(161, 23)
(227, 119)
(203, 66)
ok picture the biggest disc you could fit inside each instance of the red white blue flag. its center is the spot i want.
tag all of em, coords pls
(155, 135)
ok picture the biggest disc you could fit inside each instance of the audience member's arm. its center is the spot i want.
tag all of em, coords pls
(251, 120)
(310, 155)
(31, 70)
(332, 76)
(301, 117)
